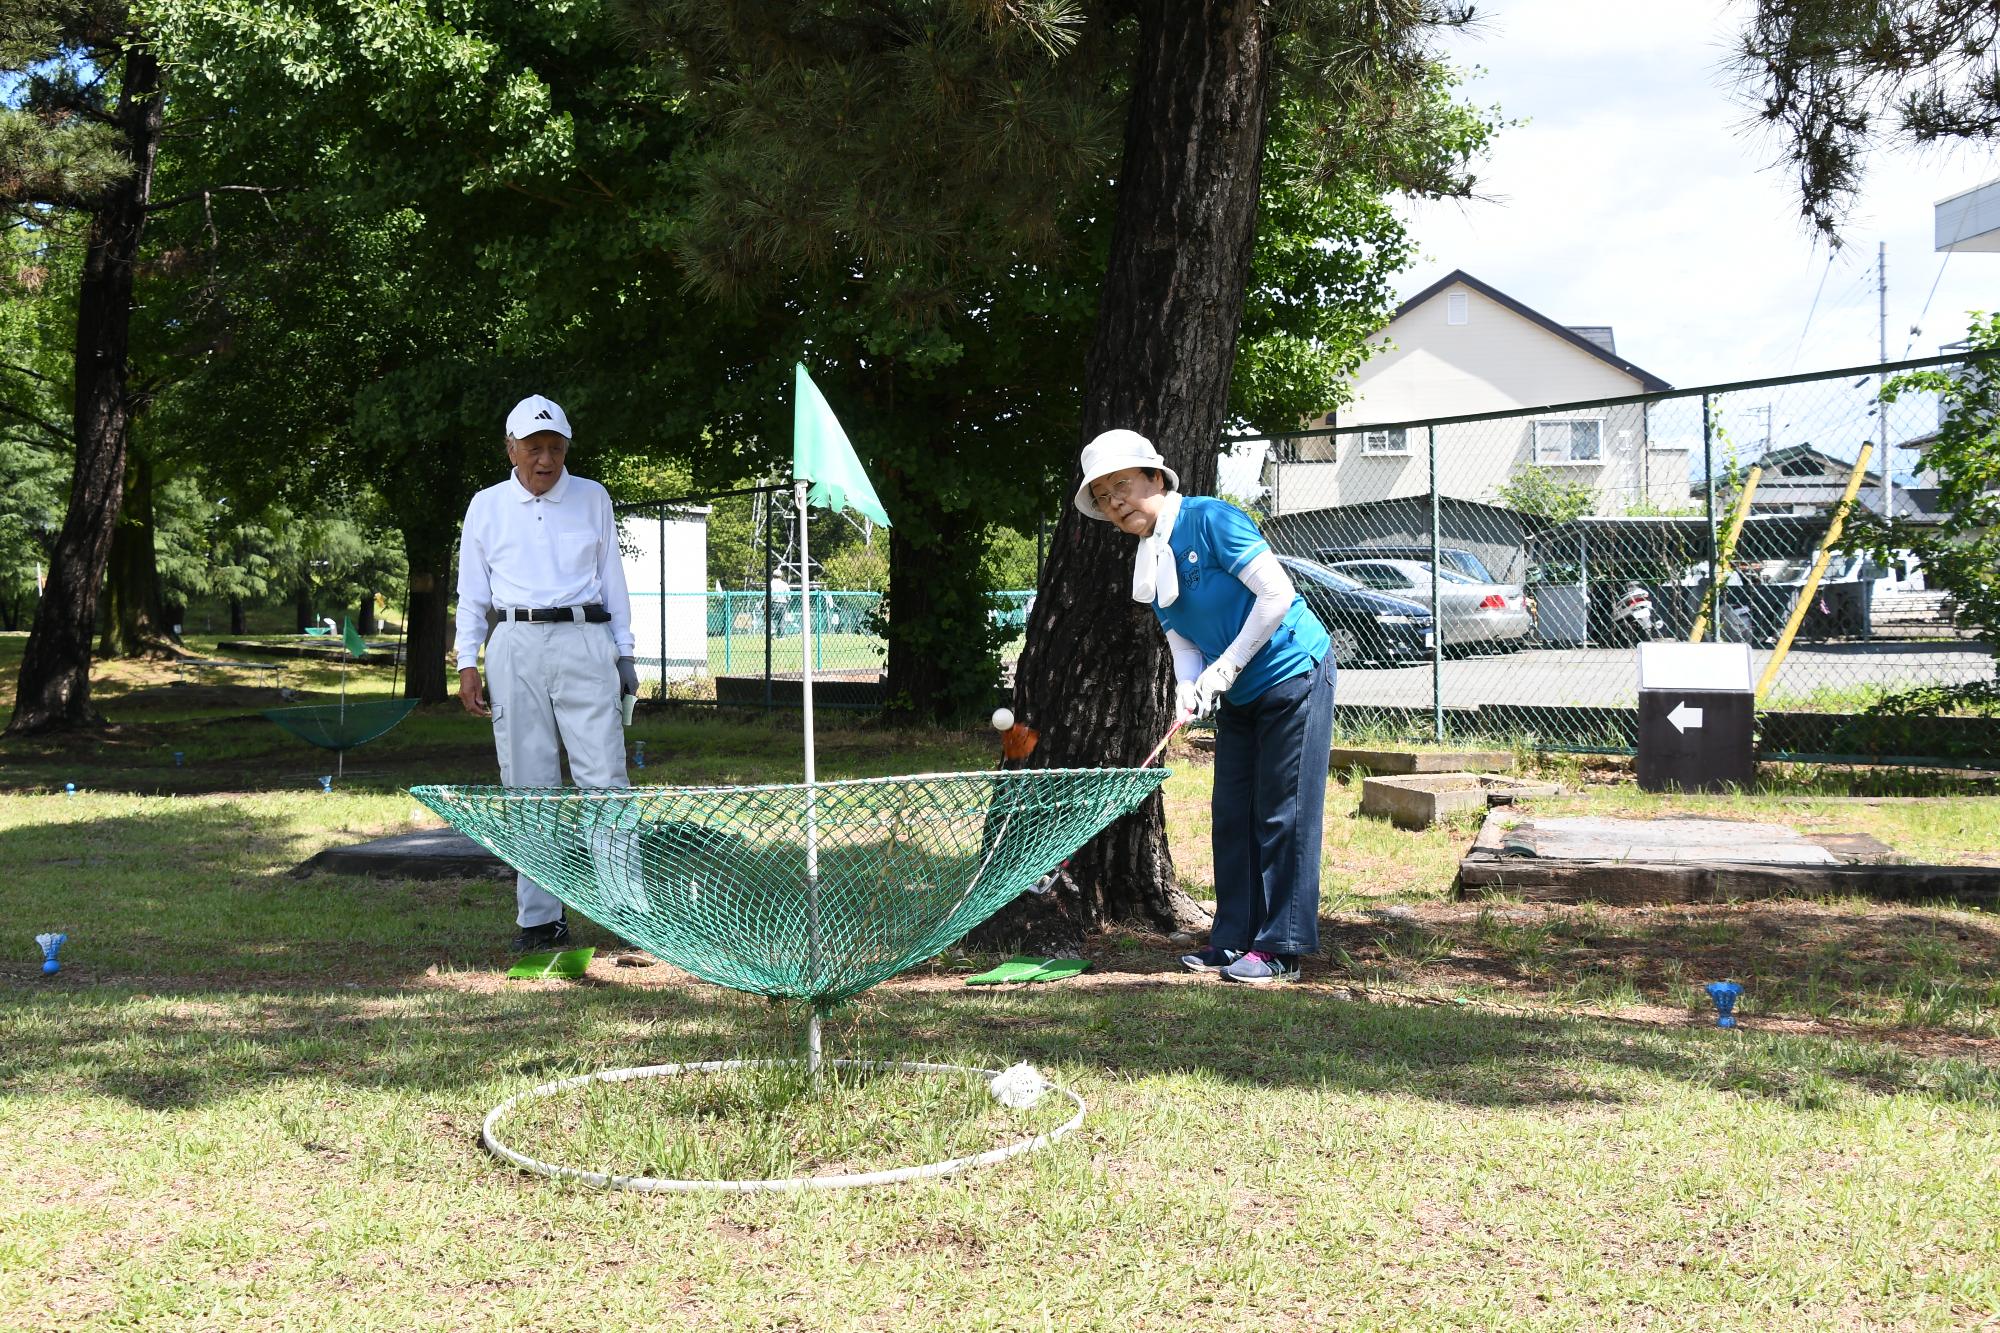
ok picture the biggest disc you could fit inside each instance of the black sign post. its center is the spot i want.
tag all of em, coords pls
(1697, 717)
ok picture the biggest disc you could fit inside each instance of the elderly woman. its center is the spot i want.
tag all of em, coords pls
(1245, 647)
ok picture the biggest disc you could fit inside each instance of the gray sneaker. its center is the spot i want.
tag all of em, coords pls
(1209, 960)
(1257, 968)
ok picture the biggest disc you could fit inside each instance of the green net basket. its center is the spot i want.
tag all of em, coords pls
(341, 727)
(809, 893)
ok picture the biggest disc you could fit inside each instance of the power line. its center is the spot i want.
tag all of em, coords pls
(1796, 351)
(1918, 326)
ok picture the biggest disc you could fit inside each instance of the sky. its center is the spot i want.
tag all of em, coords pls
(1637, 195)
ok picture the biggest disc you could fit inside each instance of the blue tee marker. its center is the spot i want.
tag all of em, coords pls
(51, 945)
(1724, 994)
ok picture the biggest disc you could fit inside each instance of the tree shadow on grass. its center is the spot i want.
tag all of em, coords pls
(194, 983)
(192, 1049)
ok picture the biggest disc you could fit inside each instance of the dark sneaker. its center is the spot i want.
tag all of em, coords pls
(534, 939)
(1209, 960)
(1258, 968)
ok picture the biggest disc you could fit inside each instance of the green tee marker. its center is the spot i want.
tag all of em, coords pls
(1017, 970)
(569, 963)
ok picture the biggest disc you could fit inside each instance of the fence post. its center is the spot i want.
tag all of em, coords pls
(770, 572)
(1708, 471)
(728, 629)
(662, 534)
(1437, 621)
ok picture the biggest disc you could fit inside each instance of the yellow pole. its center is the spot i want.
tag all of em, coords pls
(1811, 587)
(1728, 553)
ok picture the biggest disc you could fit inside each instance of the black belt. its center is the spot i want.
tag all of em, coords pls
(593, 614)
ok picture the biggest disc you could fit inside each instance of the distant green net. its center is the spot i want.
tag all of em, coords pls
(717, 880)
(342, 726)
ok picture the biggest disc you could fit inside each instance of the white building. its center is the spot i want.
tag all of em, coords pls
(1461, 347)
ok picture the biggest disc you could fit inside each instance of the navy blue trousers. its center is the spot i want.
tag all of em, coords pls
(1269, 812)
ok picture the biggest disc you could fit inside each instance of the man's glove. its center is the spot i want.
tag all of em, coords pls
(1212, 684)
(628, 676)
(1187, 702)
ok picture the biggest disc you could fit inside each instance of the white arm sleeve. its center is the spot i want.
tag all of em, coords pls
(1188, 660)
(611, 579)
(1265, 577)
(475, 591)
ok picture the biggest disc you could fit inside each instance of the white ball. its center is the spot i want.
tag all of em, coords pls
(1003, 719)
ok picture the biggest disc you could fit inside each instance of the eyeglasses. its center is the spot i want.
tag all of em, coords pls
(1118, 492)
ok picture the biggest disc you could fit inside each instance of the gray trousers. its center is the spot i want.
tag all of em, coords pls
(551, 684)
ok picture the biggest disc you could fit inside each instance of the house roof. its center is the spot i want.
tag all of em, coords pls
(1580, 338)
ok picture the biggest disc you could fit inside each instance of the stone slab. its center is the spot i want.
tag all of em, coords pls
(442, 853)
(1691, 860)
(1392, 762)
(1417, 800)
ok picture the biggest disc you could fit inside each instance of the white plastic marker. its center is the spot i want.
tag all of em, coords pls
(1003, 719)
(630, 702)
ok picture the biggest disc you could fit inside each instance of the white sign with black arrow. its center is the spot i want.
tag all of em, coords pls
(1683, 717)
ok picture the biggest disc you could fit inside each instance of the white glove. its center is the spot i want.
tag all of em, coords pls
(1212, 684)
(628, 676)
(1187, 702)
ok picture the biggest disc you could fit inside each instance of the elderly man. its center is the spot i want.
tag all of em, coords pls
(538, 562)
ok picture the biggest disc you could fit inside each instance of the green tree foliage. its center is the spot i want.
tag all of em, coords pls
(1961, 552)
(1837, 78)
(930, 187)
(1538, 491)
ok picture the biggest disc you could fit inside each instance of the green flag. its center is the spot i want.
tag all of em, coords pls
(822, 455)
(355, 643)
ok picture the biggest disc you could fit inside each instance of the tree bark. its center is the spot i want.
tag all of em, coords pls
(942, 663)
(239, 623)
(366, 624)
(429, 632)
(302, 606)
(135, 618)
(1095, 678)
(54, 689)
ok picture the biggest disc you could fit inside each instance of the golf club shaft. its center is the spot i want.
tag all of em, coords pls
(1161, 747)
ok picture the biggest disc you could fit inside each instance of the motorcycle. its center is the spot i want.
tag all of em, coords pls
(1633, 619)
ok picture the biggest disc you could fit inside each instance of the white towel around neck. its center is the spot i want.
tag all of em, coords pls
(1154, 578)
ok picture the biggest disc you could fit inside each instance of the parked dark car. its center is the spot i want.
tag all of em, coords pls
(1366, 626)
(1451, 557)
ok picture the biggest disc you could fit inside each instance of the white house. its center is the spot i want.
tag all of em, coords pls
(1461, 347)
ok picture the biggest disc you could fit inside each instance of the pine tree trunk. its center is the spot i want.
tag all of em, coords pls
(365, 622)
(941, 664)
(429, 632)
(135, 618)
(302, 607)
(1095, 678)
(239, 623)
(54, 689)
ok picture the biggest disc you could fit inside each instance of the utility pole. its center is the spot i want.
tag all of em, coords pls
(1881, 378)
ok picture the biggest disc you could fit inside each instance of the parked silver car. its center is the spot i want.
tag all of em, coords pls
(1471, 613)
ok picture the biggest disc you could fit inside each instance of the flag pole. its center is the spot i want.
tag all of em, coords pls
(812, 796)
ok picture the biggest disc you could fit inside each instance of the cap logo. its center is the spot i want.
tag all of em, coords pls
(543, 415)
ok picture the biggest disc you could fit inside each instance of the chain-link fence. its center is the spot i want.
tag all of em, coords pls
(718, 611)
(1487, 576)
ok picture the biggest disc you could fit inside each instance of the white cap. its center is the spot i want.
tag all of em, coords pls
(536, 413)
(1114, 451)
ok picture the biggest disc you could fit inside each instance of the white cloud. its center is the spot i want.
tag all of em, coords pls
(1636, 196)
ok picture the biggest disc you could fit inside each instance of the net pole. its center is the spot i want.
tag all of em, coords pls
(812, 800)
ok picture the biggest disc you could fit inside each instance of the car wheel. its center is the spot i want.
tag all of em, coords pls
(1346, 644)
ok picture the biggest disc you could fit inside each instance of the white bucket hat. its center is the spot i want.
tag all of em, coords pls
(534, 414)
(1114, 451)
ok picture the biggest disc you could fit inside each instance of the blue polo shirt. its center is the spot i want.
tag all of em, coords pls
(1213, 540)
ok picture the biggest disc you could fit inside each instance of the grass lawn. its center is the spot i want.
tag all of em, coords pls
(253, 1101)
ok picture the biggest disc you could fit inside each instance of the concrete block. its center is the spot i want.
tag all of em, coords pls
(1423, 761)
(1418, 800)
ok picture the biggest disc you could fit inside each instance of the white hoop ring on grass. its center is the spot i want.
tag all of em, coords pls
(849, 1180)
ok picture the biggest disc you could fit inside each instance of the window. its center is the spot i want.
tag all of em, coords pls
(1457, 307)
(1384, 443)
(1569, 441)
(1384, 577)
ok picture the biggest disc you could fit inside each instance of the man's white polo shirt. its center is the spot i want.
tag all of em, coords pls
(520, 549)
